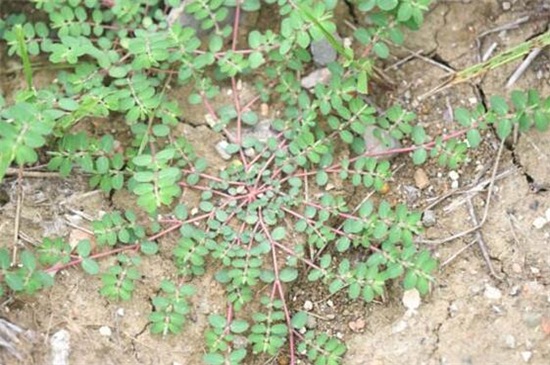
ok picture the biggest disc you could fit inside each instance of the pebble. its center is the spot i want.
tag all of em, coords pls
(510, 341)
(320, 76)
(380, 148)
(526, 355)
(506, 6)
(264, 109)
(323, 52)
(311, 322)
(105, 331)
(120, 312)
(532, 319)
(411, 299)
(411, 193)
(492, 293)
(60, 347)
(240, 342)
(516, 268)
(428, 218)
(308, 305)
(398, 327)
(454, 175)
(358, 325)
(221, 148)
(453, 309)
(421, 179)
(539, 222)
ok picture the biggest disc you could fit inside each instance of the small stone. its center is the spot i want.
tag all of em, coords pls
(311, 322)
(105, 331)
(492, 293)
(428, 218)
(526, 355)
(323, 52)
(210, 120)
(453, 309)
(398, 327)
(454, 184)
(506, 6)
(453, 175)
(308, 305)
(320, 76)
(60, 347)
(421, 179)
(330, 303)
(221, 148)
(532, 319)
(358, 325)
(510, 341)
(516, 268)
(379, 143)
(264, 109)
(514, 291)
(120, 312)
(545, 325)
(411, 299)
(412, 193)
(539, 222)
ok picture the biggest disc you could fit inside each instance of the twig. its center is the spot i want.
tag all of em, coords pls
(485, 212)
(457, 253)
(26, 173)
(85, 230)
(522, 67)
(481, 242)
(405, 59)
(17, 216)
(475, 189)
(471, 189)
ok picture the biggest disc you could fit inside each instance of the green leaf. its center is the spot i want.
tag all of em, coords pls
(299, 320)
(405, 11)
(239, 326)
(83, 248)
(381, 50)
(213, 359)
(387, 5)
(362, 83)
(419, 156)
(504, 128)
(215, 44)
(321, 178)
(473, 137)
(278, 233)
(217, 321)
(149, 247)
(90, 266)
(288, 274)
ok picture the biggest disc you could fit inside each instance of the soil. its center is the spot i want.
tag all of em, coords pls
(492, 310)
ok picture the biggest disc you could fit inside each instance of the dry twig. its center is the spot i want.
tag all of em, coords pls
(485, 212)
